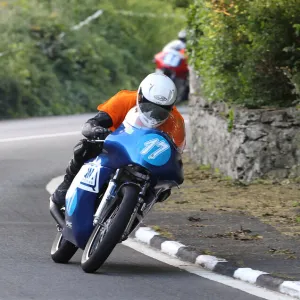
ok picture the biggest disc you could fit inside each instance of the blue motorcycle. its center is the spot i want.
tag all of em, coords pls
(112, 193)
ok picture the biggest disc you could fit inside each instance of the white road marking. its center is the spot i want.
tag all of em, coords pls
(54, 183)
(41, 136)
(192, 268)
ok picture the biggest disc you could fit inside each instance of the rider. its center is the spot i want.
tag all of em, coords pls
(154, 101)
(177, 45)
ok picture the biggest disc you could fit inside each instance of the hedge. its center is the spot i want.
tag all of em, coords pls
(247, 51)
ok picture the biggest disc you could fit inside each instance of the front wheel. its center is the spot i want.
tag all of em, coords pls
(62, 250)
(106, 236)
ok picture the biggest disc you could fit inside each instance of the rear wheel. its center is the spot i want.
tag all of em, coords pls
(182, 89)
(62, 250)
(107, 235)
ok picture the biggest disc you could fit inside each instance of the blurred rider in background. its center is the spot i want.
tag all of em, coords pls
(178, 44)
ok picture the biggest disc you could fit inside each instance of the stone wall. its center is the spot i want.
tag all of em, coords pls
(262, 142)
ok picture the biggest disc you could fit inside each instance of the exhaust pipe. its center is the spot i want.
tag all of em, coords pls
(57, 214)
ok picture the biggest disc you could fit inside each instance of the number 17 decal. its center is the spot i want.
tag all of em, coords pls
(150, 145)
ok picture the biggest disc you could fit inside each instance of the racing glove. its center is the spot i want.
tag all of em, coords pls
(95, 132)
(97, 127)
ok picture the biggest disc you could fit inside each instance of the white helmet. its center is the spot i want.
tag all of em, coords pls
(182, 34)
(156, 96)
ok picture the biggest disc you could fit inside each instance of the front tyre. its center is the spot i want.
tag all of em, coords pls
(62, 250)
(105, 237)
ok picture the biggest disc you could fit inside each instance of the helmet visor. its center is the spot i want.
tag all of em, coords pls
(154, 112)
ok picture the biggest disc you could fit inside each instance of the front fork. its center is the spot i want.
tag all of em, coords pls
(140, 204)
(107, 199)
(110, 196)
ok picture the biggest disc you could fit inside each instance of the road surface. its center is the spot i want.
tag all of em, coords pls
(32, 152)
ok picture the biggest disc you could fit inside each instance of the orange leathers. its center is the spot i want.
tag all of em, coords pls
(119, 105)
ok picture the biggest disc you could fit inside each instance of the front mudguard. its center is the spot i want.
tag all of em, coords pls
(81, 202)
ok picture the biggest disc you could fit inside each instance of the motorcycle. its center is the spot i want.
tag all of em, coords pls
(113, 192)
(174, 64)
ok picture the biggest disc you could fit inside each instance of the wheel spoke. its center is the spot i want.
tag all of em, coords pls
(100, 234)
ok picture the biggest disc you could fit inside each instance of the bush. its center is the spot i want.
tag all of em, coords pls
(45, 72)
(247, 51)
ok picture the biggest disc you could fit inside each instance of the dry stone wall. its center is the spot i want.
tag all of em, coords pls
(261, 143)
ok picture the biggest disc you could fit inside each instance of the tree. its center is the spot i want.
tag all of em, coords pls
(48, 68)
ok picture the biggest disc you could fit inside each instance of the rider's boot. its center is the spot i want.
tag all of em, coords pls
(58, 197)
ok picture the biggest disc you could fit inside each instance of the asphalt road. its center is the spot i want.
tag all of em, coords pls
(27, 231)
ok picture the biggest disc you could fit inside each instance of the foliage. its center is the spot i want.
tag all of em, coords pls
(247, 51)
(47, 68)
(182, 3)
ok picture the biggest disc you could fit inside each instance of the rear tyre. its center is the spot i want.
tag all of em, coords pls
(104, 238)
(62, 250)
(186, 93)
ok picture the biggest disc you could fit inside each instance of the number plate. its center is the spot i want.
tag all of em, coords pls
(171, 59)
(155, 149)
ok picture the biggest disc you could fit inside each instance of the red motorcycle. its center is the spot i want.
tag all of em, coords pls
(174, 64)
